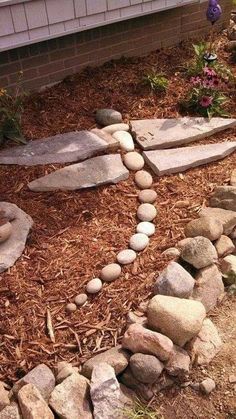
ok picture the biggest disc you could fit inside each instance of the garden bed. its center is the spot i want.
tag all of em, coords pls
(77, 233)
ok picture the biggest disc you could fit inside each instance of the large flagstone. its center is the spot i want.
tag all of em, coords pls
(93, 172)
(154, 134)
(164, 162)
(61, 148)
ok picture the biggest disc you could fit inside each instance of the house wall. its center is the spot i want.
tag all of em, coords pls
(49, 61)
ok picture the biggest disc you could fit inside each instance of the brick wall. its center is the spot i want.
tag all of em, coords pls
(50, 61)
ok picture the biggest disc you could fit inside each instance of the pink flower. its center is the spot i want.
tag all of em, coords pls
(209, 72)
(206, 101)
(195, 80)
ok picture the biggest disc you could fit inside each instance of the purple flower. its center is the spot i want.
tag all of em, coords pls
(196, 80)
(209, 72)
(206, 101)
(214, 11)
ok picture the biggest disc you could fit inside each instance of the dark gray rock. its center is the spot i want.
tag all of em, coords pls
(145, 368)
(224, 197)
(106, 117)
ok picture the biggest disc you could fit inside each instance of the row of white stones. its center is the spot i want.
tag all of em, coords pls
(146, 213)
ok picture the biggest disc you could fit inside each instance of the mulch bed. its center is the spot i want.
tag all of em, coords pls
(76, 233)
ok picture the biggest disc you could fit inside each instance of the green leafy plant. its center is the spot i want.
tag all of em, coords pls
(156, 81)
(139, 411)
(11, 108)
(205, 95)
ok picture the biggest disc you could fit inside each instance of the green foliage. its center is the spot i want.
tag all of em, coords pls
(156, 81)
(140, 411)
(11, 108)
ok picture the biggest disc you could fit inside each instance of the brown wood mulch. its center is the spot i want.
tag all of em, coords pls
(76, 233)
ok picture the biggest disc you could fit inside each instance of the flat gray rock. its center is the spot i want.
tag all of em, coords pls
(164, 162)
(12, 248)
(93, 172)
(152, 134)
(61, 148)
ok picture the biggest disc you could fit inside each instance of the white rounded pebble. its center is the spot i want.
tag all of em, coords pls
(147, 196)
(134, 161)
(71, 307)
(146, 227)
(146, 212)
(110, 129)
(126, 256)
(80, 299)
(110, 272)
(143, 179)
(125, 139)
(94, 286)
(138, 242)
(5, 231)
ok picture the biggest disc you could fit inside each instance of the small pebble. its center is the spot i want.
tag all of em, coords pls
(5, 231)
(207, 386)
(134, 161)
(143, 179)
(94, 286)
(147, 196)
(110, 272)
(80, 299)
(232, 379)
(146, 212)
(71, 307)
(110, 129)
(126, 256)
(138, 242)
(125, 139)
(146, 227)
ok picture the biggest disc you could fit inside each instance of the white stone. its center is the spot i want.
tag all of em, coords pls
(125, 139)
(111, 272)
(110, 129)
(143, 179)
(177, 160)
(147, 195)
(71, 307)
(146, 212)
(94, 286)
(138, 242)
(80, 299)
(166, 133)
(146, 227)
(97, 171)
(133, 161)
(126, 256)
(5, 231)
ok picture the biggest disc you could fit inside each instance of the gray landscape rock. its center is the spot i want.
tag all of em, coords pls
(61, 148)
(177, 318)
(110, 272)
(93, 172)
(207, 386)
(198, 251)
(206, 345)
(145, 227)
(138, 339)
(224, 197)
(41, 377)
(126, 256)
(116, 357)
(5, 231)
(209, 287)
(144, 391)
(224, 246)
(111, 129)
(208, 227)
(176, 160)
(179, 363)
(13, 247)
(143, 179)
(227, 218)
(125, 140)
(174, 281)
(145, 368)
(146, 212)
(133, 161)
(166, 133)
(138, 242)
(4, 398)
(11, 412)
(106, 117)
(107, 398)
(70, 399)
(228, 269)
(147, 195)
(32, 404)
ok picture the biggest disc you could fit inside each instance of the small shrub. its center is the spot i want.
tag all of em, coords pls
(11, 108)
(156, 81)
(140, 411)
(205, 95)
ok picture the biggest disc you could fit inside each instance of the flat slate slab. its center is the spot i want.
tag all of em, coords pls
(153, 134)
(93, 172)
(61, 148)
(164, 162)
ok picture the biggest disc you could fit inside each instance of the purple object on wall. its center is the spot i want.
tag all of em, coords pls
(214, 11)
